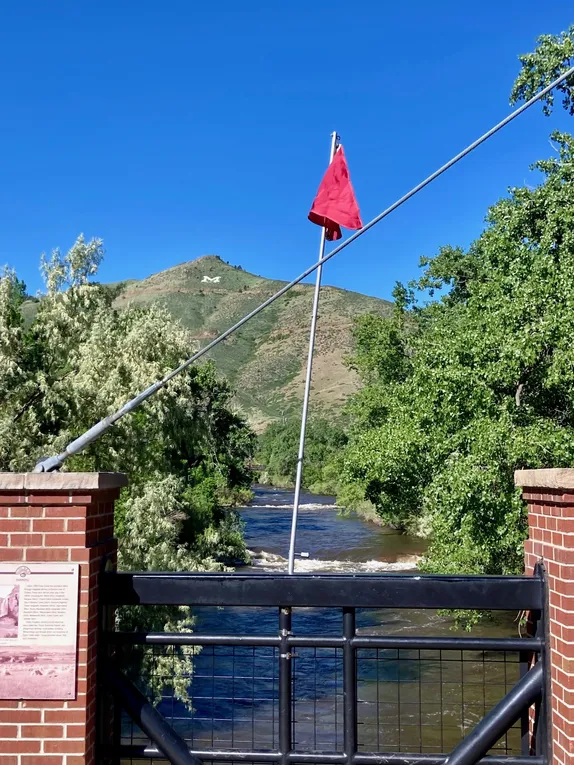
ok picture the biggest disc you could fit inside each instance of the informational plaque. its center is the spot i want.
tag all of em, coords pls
(38, 626)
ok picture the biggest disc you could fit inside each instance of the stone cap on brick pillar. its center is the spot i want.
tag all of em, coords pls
(546, 478)
(61, 481)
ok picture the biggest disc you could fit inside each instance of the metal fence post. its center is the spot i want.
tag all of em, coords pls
(542, 727)
(349, 686)
(285, 686)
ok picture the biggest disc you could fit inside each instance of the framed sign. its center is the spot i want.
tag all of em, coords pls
(38, 628)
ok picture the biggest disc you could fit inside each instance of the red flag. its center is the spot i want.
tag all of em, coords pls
(335, 204)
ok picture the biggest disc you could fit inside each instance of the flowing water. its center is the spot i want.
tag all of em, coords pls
(409, 700)
(333, 542)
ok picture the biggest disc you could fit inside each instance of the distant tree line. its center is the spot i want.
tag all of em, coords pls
(278, 448)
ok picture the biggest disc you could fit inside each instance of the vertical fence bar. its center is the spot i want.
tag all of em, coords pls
(117, 732)
(285, 687)
(109, 708)
(542, 728)
(349, 686)
(525, 659)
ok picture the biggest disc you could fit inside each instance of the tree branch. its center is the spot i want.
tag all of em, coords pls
(518, 394)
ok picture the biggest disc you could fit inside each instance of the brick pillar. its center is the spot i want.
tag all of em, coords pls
(58, 517)
(550, 498)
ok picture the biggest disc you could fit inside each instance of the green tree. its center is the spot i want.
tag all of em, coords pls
(553, 55)
(184, 450)
(464, 388)
(279, 445)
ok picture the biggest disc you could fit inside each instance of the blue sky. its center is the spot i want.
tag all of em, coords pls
(181, 128)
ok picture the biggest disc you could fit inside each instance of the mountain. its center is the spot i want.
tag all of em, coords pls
(265, 360)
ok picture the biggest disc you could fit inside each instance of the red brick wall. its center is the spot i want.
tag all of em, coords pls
(550, 498)
(53, 517)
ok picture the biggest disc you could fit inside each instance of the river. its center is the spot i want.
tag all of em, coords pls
(408, 700)
(333, 542)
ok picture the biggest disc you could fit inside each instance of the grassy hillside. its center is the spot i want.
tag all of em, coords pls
(265, 360)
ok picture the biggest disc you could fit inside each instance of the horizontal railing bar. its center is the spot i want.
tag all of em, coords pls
(315, 641)
(425, 591)
(399, 758)
(134, 752)
(367, 641)
(330, 758)
(186, 638)
(451, 644)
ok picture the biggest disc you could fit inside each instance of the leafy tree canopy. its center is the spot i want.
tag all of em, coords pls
(476, 380)
(553, 56)
(184, 450)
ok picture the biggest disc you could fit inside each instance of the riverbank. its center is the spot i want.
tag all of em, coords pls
(367, 512)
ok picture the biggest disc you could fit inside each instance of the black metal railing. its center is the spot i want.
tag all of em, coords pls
(351, 695)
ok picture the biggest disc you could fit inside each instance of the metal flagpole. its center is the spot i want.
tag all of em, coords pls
(314, 314)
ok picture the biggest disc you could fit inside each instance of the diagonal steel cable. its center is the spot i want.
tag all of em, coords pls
(79, 444)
